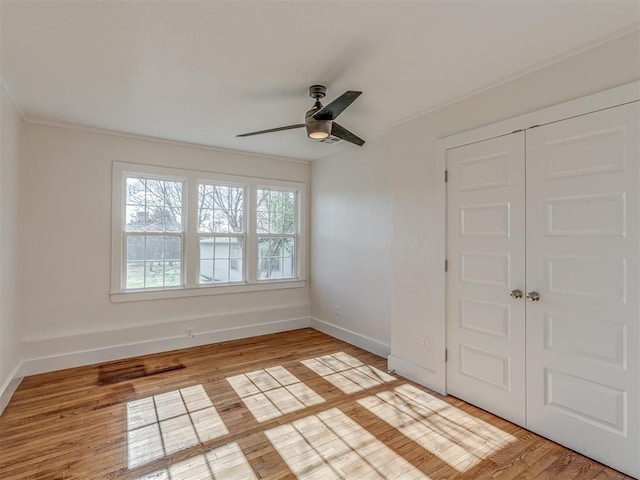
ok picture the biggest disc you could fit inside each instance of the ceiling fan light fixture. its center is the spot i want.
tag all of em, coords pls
(318, 129)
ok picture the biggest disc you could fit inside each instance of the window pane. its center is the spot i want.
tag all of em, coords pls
(220, 209)
(153, 261)
(172, 248)
(135, 261)
(264, 269)
(205, 196)
(288, 250)
(172, 274)
(262, 222)
(220, 222)
(153, 205)
(262, 202)
(288, 212)
(264, 246)
(221, 270)
(154, 274)
(206, 271)
(155, 192)
(135, 274)
(205, 220)
(136, 218)
(276, 257)
(173, 220)
(135, 248)
(135, 191)
(154, 246)
(221, 259)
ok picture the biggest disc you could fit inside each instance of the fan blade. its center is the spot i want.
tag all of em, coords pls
(335, 108)
(339, 131)
(279, 129)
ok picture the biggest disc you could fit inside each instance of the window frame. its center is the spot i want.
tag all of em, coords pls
(190, 264)
(295, 235)
(243, 234)
(149, 233)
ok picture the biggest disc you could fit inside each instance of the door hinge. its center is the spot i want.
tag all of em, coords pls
(446, 266)
(446, 176)
(533, 126)
(446, 355)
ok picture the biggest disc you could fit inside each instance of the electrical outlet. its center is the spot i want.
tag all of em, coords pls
(190, 332)
(336, 310)
(424, 343)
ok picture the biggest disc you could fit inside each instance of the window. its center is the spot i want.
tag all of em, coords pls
(154, 232)
(276, 233)
(221, 233)
(183, 233)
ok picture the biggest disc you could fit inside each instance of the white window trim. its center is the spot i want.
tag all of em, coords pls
(190, 246)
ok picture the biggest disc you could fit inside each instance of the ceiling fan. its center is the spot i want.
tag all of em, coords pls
(320, 120)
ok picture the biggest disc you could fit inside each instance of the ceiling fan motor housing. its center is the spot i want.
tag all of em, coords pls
(316, 129)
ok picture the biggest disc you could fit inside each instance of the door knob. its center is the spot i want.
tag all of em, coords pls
(516, 294)
(533, 296)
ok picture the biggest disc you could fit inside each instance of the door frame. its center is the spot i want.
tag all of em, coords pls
(581, 106)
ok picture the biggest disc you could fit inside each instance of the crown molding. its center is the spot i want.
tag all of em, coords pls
(12, 97)
(623, 32)
(148, 138)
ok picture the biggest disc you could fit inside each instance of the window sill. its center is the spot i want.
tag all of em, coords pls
(138, 295)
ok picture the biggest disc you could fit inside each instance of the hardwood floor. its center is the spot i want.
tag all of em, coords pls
(292, 405)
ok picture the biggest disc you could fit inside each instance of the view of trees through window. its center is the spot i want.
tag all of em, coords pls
(275, 224)
(221, 233)
(155, 235)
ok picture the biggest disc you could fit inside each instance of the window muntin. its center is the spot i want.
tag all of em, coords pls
(276, 212)
(153, 233)
(221, 233)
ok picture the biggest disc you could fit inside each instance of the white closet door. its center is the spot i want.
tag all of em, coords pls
(582, 258)
(485, 326)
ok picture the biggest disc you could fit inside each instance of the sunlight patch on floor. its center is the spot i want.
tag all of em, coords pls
(346, 372)
(456, 437)
(330, 445)
(226, 463)
(273, 392)
(169, 422)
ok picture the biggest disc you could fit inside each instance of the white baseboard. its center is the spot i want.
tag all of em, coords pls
(366, 343)
(415, 372)
(9, 387)
(47, 355)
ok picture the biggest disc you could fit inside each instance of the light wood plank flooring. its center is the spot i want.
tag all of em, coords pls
(292, 405)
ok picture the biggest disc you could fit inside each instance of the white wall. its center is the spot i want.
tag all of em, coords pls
(10, 131)
(65, 255)
(350, 254)
(415, 278)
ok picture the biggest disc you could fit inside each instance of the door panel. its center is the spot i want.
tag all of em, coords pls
(485, 328)
(582, 257)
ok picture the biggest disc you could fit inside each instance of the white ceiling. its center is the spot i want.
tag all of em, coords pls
(204, 71)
